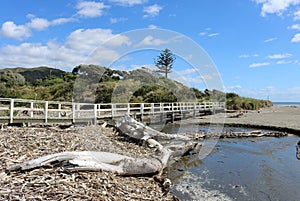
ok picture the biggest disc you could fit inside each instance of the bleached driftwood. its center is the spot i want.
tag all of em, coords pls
(138, 130)
(121, 164)
(165, 153)
(89, 160)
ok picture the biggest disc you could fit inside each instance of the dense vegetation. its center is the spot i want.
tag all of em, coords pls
(91, 83)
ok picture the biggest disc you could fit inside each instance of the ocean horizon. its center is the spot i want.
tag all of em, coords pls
(296, 104)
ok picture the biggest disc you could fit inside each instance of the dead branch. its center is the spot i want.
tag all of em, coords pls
(137, 130)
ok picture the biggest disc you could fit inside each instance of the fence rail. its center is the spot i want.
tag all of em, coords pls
(26, 111)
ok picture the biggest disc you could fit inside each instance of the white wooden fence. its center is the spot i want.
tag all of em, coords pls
(23, 111)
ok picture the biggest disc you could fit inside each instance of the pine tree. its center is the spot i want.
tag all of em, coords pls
(164, 62)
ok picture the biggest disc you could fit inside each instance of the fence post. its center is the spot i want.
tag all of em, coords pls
(142, 112)
(113, 110)
(46, 112)
(95, 114)
(128, 108)
(73, 112)
(152, 108)
(11, 111)
(59, 110)
(31, 109)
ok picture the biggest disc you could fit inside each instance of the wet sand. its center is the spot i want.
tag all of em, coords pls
(283, 118)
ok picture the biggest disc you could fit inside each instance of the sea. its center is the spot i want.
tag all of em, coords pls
(291, 104)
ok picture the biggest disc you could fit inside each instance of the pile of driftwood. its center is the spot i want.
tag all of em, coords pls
(118, 163)
(56, 181)
(161, 153)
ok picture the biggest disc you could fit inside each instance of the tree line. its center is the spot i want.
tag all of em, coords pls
(97, 84)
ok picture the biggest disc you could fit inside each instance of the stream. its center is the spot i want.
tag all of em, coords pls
(264, 168)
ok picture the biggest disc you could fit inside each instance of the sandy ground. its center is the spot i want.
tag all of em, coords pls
(277, 116)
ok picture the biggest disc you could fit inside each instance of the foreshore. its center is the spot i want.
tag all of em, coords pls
(19, 144)
(281, 118)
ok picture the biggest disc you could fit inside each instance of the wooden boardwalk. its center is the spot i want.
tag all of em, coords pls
(51, 112)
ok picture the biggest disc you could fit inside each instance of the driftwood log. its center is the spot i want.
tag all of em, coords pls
(138, 130)
(120, 164)
(256, 133)
(298, 151)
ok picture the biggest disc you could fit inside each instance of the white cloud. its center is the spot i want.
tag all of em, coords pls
(268, 92)
(189, 71)
(296, 38)
(297, 15)
(60, 21)
(213, 34)
(116, 20)
(188, 57)
(255, 65)
(245, 56)
(86, 40)
(207, 32)
(152, 11)
(276, 6)
(281, 62)
(274, 93)
(42, 23)
(152, 26)
(31, 55)
(128, 2)
(150, 40)
(233, 88)
(280, 56)
(269, 40)
(118, 41)
(11, 30)
(90, 9)
(38, 24)
(78, 47)
(101, 55)
(295, 27)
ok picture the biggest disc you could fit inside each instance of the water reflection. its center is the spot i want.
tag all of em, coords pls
(176, 170)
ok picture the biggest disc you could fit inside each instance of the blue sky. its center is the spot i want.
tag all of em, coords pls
(253, 44)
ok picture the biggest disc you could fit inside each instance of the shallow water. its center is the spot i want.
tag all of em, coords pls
(263, 168)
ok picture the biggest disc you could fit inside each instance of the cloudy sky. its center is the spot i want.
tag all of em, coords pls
(254, 45)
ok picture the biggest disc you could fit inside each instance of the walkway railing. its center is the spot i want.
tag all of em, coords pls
(23, 111)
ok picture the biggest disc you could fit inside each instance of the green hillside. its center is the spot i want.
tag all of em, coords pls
(33, 74)
(92, 83)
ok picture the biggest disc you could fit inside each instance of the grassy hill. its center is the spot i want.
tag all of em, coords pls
(33, 74)
(93, 83)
